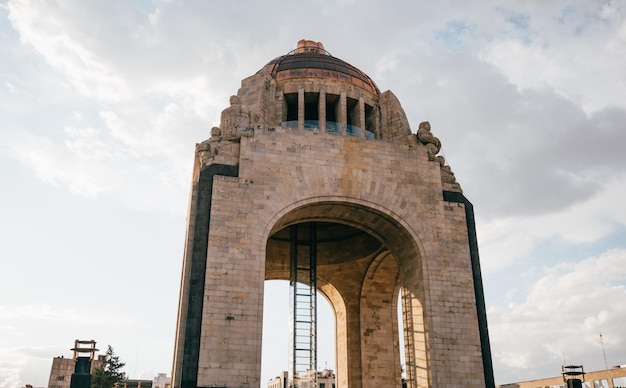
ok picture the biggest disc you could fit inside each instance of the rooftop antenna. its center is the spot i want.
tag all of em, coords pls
(606, 365)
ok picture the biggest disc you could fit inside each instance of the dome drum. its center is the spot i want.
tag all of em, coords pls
(324, 111)
(308, 89)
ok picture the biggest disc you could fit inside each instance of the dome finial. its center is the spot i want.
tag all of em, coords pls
(309, 46)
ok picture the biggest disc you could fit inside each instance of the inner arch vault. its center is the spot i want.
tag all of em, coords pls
(361, 253)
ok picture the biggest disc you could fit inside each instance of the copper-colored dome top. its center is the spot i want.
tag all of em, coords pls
(310, 59)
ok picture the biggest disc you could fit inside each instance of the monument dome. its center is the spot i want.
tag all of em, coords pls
(309, 89)
(310, 59)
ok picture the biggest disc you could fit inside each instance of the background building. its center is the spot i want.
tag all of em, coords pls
(61, 372)
(609, 378)
(280, 381)
(162, 381)
(325, 379)
(63, 368)
(132, 383)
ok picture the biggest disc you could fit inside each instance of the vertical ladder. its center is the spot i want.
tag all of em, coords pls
(409, 339)
(303, 302)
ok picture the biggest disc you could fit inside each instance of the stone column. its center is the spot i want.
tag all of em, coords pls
(300, 109)
(344, 113)
(362, 116)
(322, 110)
(352, 339)
(280, 110)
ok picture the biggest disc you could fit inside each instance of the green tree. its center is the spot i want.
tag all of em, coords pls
(109, 372)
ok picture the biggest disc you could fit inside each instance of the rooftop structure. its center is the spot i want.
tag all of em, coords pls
(608, 378)
(82, 361)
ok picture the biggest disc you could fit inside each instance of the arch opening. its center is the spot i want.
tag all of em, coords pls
(274, 357)
(365, 258)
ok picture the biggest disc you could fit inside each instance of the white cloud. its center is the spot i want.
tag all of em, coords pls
(514, 360)
(49, 314)
(55, 39)
(10, 376)
(565, 310)
(142, 148)
(77, 163)
(575, 49)
(503, 241)
(24, 362)
(112, 59)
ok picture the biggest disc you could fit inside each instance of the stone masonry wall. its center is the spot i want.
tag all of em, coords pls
(283, 170)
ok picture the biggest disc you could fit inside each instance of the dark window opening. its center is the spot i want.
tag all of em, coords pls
(354, 118)
(311, 111)
(332, 107)
(333, 111)
(352, 106)
(311, 106)
(291, 103)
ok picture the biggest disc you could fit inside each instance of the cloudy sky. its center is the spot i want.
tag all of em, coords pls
(102, 102)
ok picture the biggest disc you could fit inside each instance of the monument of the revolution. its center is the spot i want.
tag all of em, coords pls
(314, 176)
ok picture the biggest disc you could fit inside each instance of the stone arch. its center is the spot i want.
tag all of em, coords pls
(362, 287)
(334, 298)
(379, 323)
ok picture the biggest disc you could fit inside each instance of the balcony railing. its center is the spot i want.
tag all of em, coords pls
(352, 130)
(332, 127)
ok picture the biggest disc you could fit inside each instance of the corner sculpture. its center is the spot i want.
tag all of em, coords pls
(433, 145)
(235, 122)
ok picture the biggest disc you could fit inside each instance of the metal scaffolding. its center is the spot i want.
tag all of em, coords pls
(303, 300)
